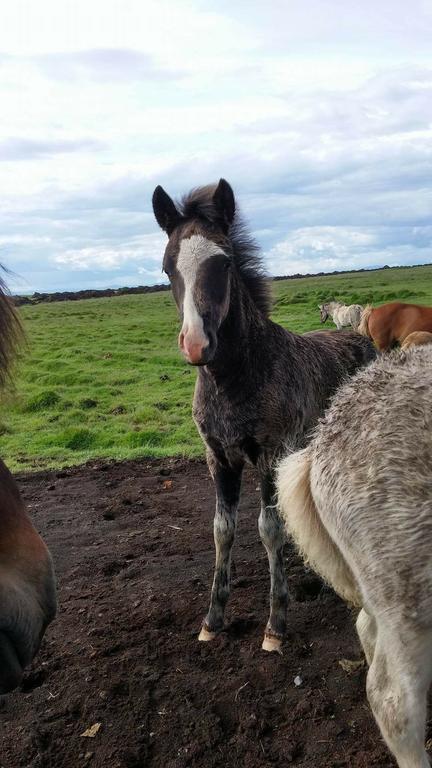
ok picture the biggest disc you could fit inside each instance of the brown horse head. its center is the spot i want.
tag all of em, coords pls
(27, 584)
(206, 251)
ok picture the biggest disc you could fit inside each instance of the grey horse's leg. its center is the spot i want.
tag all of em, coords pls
(273, 537)
(228, 483)
(367, 632)
(397, 684)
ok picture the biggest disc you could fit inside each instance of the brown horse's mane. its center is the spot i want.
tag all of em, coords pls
(198, 204)
(11, 332)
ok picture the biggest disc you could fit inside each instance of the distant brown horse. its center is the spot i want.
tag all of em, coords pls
(392, 323)
(27, 585)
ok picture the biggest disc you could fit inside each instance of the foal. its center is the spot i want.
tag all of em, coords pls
(27, 585)
(258, 386)
(358, 502)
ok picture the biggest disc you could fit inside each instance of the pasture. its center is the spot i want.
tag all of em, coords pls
(102, 378)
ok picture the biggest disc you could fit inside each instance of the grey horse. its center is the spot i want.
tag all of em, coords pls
(358, 502)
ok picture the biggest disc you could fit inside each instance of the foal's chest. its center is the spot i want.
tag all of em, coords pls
(217, 422)
(234, 431)
(223, 425)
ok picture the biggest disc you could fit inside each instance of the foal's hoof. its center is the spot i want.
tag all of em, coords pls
(205, 635)
(272, 643)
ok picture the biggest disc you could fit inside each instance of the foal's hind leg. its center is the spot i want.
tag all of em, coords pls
(227, 482)
(397, 686)
(367, 632)
(273, 537)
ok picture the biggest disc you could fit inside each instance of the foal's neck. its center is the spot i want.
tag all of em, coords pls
(239, 335)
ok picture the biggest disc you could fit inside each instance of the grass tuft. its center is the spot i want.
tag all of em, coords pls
(42, 401)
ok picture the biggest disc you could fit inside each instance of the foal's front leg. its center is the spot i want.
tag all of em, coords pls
(273, 537)
(227, 482)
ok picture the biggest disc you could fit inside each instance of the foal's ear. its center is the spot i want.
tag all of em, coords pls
(167, 215)
(224, 202)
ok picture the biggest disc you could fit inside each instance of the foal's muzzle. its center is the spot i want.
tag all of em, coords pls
(198, 350)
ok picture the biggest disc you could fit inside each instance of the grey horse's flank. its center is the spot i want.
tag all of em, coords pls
(363, 519)
(341, 314)
(258, 386)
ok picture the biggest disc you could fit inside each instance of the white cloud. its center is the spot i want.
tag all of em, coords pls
(327, 249)
(143, 248)
(320, 114)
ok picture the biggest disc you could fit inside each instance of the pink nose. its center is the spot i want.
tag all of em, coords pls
(192, 346)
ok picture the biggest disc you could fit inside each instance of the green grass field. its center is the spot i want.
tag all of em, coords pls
(103, 377)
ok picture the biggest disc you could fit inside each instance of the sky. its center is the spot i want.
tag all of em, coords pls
(318, 112)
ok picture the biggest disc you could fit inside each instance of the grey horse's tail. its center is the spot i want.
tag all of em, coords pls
(303, 523)
(11, 333)
(364, 321)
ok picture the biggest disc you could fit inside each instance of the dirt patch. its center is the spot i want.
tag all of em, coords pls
(133, 548)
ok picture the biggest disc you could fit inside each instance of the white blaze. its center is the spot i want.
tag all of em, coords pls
(193, 252)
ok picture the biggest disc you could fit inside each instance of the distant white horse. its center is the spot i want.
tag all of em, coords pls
(341, 314)
(358, 502)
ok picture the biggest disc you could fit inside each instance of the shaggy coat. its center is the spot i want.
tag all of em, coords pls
(358, 503)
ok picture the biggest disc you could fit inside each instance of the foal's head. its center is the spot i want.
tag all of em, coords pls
(199, 261)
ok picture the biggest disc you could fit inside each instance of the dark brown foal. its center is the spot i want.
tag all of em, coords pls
(259, 387)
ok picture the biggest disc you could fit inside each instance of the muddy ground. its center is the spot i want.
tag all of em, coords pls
(133, 548)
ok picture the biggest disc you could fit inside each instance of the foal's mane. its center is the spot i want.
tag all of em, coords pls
(11, 332)
(198, 204)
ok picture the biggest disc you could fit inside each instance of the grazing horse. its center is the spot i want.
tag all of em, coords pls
(27, 584)
(416, 339)
(362, 517)
(258, 386)
(341, 314)
(392, 323)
